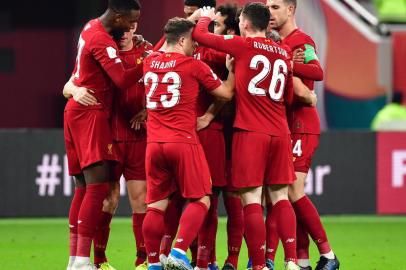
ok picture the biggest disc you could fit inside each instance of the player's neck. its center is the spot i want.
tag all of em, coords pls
(174, 49)
(288, 28)
(255, 34)
(106, 20)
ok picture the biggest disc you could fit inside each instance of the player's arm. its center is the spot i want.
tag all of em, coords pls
(81, 95)
(226, 89)
(310, 68)
(303, 93)
(211, 113)
(105, 52)
(228, 44)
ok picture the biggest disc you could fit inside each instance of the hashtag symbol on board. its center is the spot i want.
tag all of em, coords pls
(48, 175)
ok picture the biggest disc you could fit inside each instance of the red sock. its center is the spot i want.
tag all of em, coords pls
(303, 242)
(235, 228)
(138, 219)
(285, 218)
(190, 223)
(213, 257)
(255, 234)
(153, 229)
(309, 217)
(101, 238)
(207, 235)
(89, 216)
(193, 250)
(172, 217)
(272, 237)
(73, 219)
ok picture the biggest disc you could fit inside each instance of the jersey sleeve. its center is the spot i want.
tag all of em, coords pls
(229, 44)
(311, 68)
(205, 76)
(105, 51)
(289, 91)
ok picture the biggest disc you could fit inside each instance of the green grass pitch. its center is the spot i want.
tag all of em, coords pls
(362, 243)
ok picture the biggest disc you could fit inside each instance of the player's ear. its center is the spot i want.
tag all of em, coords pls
(291, 10)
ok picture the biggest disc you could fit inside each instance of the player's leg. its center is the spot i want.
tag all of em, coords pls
(137, 190)
(101, 238)
(235, 228)
(272, 236)
(307, 215)
(160, 186)
(248, 173)
(207, 233)
(80, 190)
(193, 179)
(172, 217)
(97, 189)
(213, 144)
(280, 173)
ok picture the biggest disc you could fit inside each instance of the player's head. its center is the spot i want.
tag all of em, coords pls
(125, 16)
(192, 5)
(281, 12)
(254, 18)
(225, 22)
(127, 38)
(274, 35)
(178, 34)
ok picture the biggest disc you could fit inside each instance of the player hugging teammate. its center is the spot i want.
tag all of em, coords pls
(175, 165)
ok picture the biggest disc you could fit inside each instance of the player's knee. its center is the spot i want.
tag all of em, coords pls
(206, 201)
(138, 204)
(295, 194)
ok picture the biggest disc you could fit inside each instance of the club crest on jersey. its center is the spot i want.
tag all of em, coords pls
(110, 149)
(139, 60)
(226, 37)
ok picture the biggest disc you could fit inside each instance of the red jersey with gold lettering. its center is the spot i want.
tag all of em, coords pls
(98, 67)
(263, 79)
(172, 82)
(130, 101)
(303, 118)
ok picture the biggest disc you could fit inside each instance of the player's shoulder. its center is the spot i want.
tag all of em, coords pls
(303, 37)
(94, 31)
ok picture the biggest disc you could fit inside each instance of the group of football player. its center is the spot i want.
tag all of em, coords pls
(222, 104)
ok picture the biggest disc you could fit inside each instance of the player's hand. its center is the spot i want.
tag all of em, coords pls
(195, 16)
(208, 12)
(138, 119)
(230, 63)
(204, 121)
(298, 56)
(84, 96)
(140, 41)
(313, 99)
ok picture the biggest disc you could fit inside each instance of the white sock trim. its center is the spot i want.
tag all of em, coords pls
(329, 255)
(303, 262)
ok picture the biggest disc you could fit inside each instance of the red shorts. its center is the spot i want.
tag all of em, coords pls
(132, 160)
(304, 146)
(88, 139)
(212, 141)
(176, 166)
(259, 159)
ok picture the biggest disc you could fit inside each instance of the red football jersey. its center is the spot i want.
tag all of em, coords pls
(263, 79)
(98, 67)
(217, 62)
(302, 118)
(172, 82)
(130, 101)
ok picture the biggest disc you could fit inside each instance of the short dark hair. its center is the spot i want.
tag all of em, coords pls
(258, 14)
(176, 28)
(291, 2)
(124, 5)
(201, 3)
(230, 11)
(397, 97)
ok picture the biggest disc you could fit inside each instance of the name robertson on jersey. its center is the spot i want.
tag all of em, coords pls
(163, 65)
(270, 48)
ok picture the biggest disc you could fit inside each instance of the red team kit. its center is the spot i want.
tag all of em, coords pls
(274, 137)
